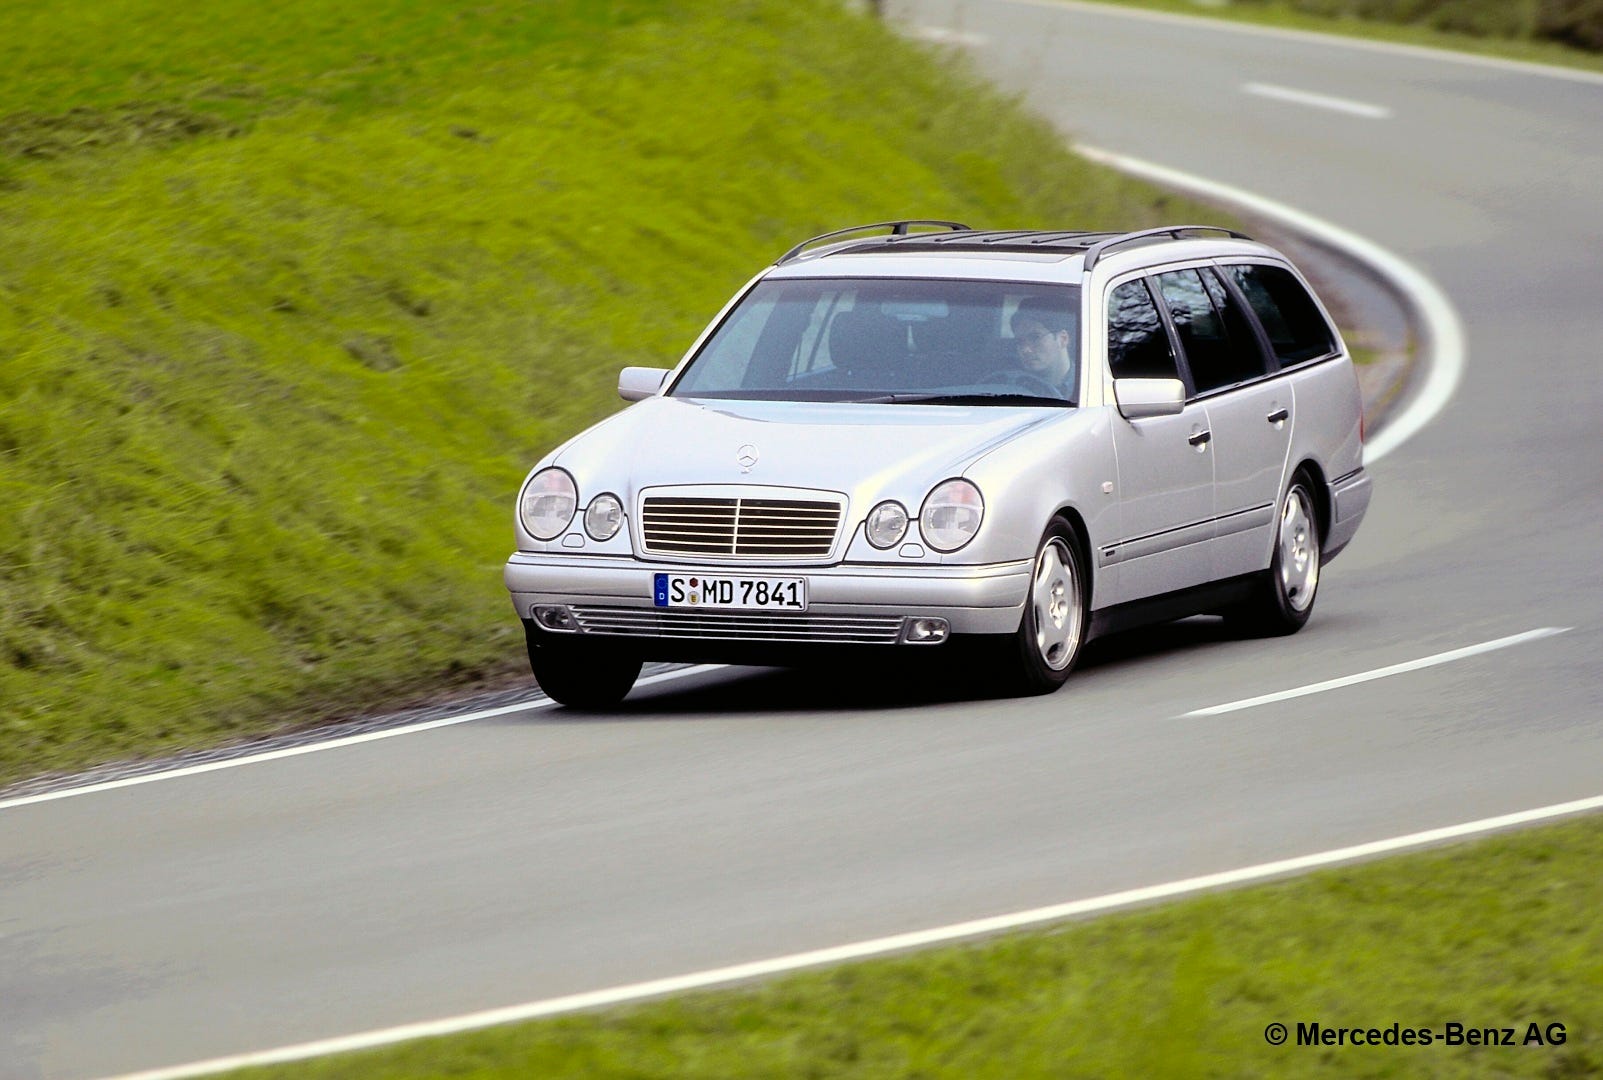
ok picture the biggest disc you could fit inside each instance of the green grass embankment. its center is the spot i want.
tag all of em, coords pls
(290, 298)
(1502, 933)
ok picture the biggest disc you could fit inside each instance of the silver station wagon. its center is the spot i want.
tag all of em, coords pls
(995, 444)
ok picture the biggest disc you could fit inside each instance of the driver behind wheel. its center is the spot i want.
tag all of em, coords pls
(1046, 337)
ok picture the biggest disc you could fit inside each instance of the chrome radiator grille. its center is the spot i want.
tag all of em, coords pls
(734, 528)
(740, 625)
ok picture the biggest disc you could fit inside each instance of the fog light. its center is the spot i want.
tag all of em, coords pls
(926, 631)
(554, 617)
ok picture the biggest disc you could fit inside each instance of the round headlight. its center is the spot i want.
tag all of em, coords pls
(548, 502)
(603, 517)
(951, 515)
(887, 524)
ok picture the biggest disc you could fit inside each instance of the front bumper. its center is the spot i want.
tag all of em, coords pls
(848, 604)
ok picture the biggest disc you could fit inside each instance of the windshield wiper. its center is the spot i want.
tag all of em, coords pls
(964, 399)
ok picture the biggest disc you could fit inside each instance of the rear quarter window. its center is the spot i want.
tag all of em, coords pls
(1296, 328)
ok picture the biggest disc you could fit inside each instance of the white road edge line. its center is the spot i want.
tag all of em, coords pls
(1317, 101)
(944, 35)
(312, 748)
(1444, 333)
(1381, 673)
(1330, 38)
(618, 995)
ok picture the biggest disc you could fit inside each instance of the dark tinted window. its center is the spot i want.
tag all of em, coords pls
(1138, 346)
(1220, 346)
(1296, 329)
(1249, 355)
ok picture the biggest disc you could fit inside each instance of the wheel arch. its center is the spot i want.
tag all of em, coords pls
(1082, 545)
(1322, 499)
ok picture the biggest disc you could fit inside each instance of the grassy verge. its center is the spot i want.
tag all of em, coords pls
(1499, 933)
(1500, 29)
(285, 312)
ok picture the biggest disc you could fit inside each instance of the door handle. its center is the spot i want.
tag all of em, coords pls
(1200, 438)
(1277, 416)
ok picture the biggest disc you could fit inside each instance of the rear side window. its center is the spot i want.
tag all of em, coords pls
(1220, 346)
(1297, 331)
(1138, 345)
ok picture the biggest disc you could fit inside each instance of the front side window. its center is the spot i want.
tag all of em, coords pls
(1220, 346)
(1296, 328)
(1138, 345)
(891, 340)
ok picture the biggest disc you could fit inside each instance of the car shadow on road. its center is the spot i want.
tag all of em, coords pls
(881, 682)
(1129, 646)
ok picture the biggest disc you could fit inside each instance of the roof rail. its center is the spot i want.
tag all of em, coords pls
(897, 228)
(1096, 251)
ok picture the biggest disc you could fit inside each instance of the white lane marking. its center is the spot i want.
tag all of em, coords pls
(1443, 333)
(312, 748)
(1316, 37)
(1317, 101)
(1381, 673)
(618, 995)
(942, 35)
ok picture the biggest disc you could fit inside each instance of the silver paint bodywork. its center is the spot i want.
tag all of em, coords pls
(1157, 513)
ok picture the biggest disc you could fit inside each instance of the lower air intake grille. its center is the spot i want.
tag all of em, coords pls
(740, 625)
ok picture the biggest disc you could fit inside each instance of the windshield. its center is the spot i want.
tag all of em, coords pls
(894, 341)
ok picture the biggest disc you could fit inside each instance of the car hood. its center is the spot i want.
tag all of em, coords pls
(879, 451)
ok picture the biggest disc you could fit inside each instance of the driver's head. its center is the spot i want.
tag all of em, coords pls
(1044, 333)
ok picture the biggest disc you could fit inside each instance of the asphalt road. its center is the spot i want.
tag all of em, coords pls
(738, 815)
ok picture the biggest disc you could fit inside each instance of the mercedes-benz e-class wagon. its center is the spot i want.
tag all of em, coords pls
(997, 444)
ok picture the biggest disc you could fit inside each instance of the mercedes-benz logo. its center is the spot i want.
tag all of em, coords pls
(746, 456)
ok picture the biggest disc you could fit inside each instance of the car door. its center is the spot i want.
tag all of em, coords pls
(1165, 464)
(1249, 414)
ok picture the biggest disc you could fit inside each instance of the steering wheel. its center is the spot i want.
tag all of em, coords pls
(1026, 381)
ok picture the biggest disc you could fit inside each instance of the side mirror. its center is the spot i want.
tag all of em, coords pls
(1139, 398)
(639, 383)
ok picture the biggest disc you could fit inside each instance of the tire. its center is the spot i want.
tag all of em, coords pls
(1285, 597)
(583, 675)
(1038, 658)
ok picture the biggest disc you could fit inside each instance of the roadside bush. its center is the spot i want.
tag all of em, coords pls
(1573, 22)
(1577, 23)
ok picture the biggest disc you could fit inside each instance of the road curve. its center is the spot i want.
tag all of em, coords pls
(737, 815)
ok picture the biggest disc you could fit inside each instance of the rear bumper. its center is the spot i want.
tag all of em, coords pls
(851, 604)
(1349, 499)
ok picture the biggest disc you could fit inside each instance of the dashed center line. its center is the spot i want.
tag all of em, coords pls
(1317, 101)
(1381, 673)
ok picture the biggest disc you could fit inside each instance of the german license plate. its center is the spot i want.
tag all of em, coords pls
(723, 591)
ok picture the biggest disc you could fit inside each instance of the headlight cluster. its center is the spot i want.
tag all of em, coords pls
(950, 518)
(951, 515)
(887, 524)
(550, 499)
(604, 517)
